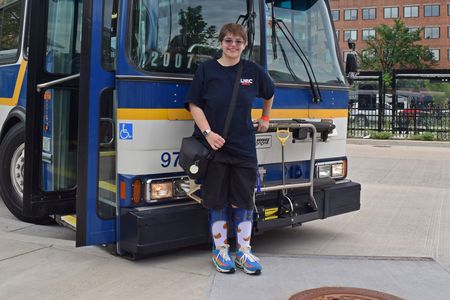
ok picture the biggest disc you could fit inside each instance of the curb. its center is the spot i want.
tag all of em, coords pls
(381, 143)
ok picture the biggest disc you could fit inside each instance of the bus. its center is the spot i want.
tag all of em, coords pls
(92, 117)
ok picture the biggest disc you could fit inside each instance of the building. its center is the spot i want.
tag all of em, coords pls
(356, 19)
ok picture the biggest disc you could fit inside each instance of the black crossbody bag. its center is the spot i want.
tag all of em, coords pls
(195, 152)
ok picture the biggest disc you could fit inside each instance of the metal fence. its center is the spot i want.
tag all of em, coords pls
(402, 123)
(418, 105)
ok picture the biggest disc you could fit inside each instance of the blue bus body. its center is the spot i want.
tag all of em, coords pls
(105, 118)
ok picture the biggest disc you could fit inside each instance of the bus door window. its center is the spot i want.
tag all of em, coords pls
(60, 105)
(59, 141)
(106, 200)
(64, 36)
(109, 36)
(10, 16)
(175, 36)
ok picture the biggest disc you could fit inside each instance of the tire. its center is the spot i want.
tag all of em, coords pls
(11, 180)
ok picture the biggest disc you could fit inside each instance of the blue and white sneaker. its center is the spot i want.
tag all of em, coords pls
(248, 262)
(222, 260)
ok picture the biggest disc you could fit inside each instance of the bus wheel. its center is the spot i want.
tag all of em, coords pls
(12, 162)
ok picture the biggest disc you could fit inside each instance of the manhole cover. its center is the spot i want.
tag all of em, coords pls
(342, 293)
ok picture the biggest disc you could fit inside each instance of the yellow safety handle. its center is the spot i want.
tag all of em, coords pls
(283, 135)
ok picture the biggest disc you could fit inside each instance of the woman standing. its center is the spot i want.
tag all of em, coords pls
(231, 174)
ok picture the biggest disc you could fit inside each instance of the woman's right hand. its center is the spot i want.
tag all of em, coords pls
(215, 140)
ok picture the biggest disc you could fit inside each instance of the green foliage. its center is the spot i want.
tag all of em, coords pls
(394, 47)
(426, 136)
(382, 135)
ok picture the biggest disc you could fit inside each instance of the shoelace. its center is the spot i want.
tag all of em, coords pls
(223, 251)
(247, 255)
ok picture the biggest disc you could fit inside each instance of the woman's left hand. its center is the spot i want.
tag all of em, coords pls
(263, 126)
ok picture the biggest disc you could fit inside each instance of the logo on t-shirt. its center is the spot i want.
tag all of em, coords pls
(246, 82)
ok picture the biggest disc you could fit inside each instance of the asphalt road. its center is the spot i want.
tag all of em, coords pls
(399, 242)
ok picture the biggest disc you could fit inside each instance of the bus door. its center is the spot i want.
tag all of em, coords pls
(70, 144)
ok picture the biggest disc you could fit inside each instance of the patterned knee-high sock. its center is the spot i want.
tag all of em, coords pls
(243, 221)
(219, 226)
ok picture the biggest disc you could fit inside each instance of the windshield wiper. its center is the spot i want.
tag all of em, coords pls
(317, 97)
(248, 21)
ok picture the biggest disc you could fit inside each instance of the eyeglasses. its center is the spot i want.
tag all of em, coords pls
(231, 41)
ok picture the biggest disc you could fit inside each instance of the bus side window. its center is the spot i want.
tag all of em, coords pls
(10, 17)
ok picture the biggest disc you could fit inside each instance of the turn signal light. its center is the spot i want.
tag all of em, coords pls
(137, 191)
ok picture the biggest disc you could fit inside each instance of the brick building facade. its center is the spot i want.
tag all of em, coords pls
(358, 18)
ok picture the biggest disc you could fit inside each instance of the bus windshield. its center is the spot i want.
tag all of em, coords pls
(310, 25)
(175, 36)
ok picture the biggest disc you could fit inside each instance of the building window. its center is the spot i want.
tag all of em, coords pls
(369, 13)
(413, 29)
(448, 32)
(350, 34)
(431, 10)
(448, 54)
(448, 10)
(335, 14)
(431, 33)
(350, 14)
(411, 11)
(436, 54)
(337, 34)
(367, 33)
(391, 12)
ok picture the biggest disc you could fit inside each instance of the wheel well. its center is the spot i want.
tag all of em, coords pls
(8, 125)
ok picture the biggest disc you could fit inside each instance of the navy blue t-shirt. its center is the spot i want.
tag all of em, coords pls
(211, 90)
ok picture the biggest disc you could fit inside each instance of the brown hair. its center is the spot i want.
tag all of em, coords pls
(234, 29)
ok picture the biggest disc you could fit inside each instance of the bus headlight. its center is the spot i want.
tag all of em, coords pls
(335, 169)
(161, 190)
(324, 171)
(172, 188)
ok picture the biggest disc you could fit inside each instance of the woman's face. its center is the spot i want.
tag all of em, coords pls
(232, 46)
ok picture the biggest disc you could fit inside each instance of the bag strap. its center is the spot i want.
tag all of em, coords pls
(233, 100)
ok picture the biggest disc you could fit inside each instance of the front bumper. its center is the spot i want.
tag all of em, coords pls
(148, 230)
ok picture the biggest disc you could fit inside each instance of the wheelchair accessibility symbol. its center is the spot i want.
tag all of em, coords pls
(125, 131)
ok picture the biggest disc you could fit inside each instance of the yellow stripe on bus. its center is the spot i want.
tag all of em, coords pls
(104, 185)
(182, 114)
(19, 81)
(107, 153)
(70, 220)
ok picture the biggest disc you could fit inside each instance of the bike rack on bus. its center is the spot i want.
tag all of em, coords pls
(283, 127)
(324, 128)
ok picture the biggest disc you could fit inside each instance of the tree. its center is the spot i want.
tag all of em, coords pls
(395, 48)
(193, 27)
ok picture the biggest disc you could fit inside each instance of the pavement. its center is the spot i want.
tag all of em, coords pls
(398, 243)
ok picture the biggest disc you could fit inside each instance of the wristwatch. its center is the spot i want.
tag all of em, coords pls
(206, 132)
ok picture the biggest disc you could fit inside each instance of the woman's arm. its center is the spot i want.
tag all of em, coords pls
(265, 118)
(214, 140)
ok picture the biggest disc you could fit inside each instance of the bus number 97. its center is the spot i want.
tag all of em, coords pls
(170, 159)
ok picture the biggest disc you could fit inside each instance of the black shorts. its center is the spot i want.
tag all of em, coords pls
(229, 181)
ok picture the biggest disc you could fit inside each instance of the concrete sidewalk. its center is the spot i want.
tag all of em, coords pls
(398, 243)
(47, 268)
(393, 142)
